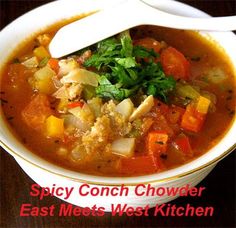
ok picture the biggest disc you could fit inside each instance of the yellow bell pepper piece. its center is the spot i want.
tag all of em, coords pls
(203, 105)
(54, 127)
(43, 80)
(62, 105)
(41, 52)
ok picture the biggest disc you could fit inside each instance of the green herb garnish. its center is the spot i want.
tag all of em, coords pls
(125, 69)
(43, 62)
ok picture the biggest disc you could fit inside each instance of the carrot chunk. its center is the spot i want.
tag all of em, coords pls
(160, 107)
(175, 64)
(54, 65)
(149, 43)
(175, 114)
(138, 165)
(192, 120)
(16, 75)
(36, 112)
(182, 144)
(157, 142)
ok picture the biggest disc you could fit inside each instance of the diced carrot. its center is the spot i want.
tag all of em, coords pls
(160, 107)
(16, 75)
(149, 43)
(159, 163)
(157, 142)
(175, 64)
(53, 63)
(161, 124)
(68, 139)
(138, 165)
(147, 124)
(36, 112)
(175, 114)
(75, 104)
(192, 120)
(182, 144)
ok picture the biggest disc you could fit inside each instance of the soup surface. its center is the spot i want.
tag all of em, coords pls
(144, 101)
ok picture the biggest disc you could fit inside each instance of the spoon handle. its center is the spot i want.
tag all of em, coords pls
(161, 18)
(125, 15)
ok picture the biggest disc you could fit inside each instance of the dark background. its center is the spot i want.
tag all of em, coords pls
(15, 184)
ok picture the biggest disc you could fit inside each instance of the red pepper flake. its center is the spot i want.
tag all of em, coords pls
(76, 104)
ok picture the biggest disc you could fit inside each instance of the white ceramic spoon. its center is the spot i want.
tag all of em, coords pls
(125, 15)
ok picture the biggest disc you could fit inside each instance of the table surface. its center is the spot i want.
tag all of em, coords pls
(15, 184)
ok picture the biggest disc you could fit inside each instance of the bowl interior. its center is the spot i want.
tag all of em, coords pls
(22, 28)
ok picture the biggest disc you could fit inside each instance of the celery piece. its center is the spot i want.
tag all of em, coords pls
(88, 92)
(216, 75)
(43, 62)
(187, 91)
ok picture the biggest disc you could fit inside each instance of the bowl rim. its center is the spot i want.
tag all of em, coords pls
(121, 179)
(167, 179)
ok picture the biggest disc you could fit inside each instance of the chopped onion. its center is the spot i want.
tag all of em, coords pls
(143, 108)
(216, 75)
(84, 114)
(56, 82)
(31, 63)
(82, 76)
(66, 66)
(125, 108)
(123, 147)
(72, 121)
(78, 153)
(95, 104)
(62, 152)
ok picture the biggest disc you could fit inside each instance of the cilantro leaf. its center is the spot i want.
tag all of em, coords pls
(107, 90)
(126, 42)
(142, 52)
(113, 92)
(126, 62)
(125, 69)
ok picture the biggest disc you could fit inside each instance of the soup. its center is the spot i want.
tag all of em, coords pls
(141, 102)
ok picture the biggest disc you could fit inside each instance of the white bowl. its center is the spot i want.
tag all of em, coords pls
(47, 174)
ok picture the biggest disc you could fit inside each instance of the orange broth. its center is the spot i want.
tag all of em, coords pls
(202, 54)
